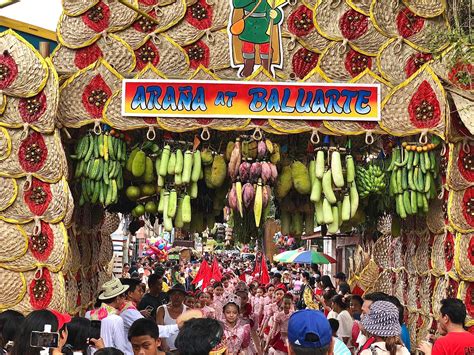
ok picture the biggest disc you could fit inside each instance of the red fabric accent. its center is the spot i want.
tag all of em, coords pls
(259, 122)
(6, 60)
(32, 138)
(468, 195)
(449, 251)
(470, 300)
(462, 71)
(357, 291)
(204, 269)
(303, 62)
(314, 124)
(140, 62)
(466, 173)
(408, 23)
(23, 108)
(47, 232)
(355, 62)
(38, 209)
(200, 24)
(353, 24)
(100, 25)
(355, 334)
(136, 25)
(278, 344)
(294, 21)
(147, 2)
(261, 269)
(87, 55)
(415, 62)
(149, 120)
(470, 252)
(97, 83)
(41, 303)
(367, 344)
(204, 121)
(424, 93)
(216, 272)
(249, 47)
(201, 46)
(368, 125)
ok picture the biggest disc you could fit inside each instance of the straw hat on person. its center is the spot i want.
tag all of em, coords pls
(382, 320)
(112, 288)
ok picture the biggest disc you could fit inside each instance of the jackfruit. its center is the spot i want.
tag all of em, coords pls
(208, 176)
(228, 150)
(206, 157)
(297, 224)
(301, 179)
(285, 221)
(275, 156)
(284, 183)
(219, 171)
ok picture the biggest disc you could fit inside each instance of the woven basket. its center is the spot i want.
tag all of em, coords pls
(368, 275)
(460, 172)
(337, 21)
(393, 19)
(360, 5)
(426, 8)
(72, 292)
(5, 144)
(397, 61)
(37, 112)
(435, 216)
(439, 293)
(111, 47)
(84, 242)
(38, 200)
(14, 242)
(50, 249)
(402, 109)
(50, 164)
(106, 250)
(50, 295)
(466, 294)
(8, 192)
(423, 328)
(464, 256)
(76, 8)
(306, 33)
(424, 292)
(298, 61)
(412, 292)
(400, 286)
(26, 70)
(382, 284)
(69, 216)
(75, 109)
(460, 215)
(341, 63)
(74, 251)
(423, 254)
(13, 288)
(106, 16)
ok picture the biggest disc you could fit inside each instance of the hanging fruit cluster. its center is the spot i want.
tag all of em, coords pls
(414, 172)
(370, 180)
(100, 159)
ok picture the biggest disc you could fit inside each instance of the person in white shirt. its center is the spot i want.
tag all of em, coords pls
(340, 305)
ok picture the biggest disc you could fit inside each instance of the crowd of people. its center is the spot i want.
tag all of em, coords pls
(159, 309)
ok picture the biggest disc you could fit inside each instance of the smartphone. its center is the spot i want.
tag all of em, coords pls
(95, 329)
(44, 340)
(149, 309)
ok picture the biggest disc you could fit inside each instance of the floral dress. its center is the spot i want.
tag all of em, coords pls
(279, 333)
(237, 338)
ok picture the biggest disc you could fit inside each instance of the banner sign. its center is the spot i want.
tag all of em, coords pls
(260, 100)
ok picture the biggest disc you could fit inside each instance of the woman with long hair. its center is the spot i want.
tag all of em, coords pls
(10, 324)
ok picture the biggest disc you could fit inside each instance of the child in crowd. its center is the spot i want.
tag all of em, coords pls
(236, 333)
(277, 339)
(203, 302)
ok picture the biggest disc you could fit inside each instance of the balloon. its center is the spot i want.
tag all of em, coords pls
(161, 246)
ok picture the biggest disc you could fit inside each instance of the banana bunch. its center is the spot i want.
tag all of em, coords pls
(370, 180)
(413, 179)
(100, 159)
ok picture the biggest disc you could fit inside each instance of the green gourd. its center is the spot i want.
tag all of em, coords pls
(319, 164)
(327, 187)
(328, 216)
(165, 157)
(336, 169)
(187, 167)
(186, 209)
(196, 172)
(171, 163)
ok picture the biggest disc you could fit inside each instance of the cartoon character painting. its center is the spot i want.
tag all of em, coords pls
(255, 34)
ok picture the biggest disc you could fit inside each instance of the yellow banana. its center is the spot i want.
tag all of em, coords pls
(238, 189)
(257, 206)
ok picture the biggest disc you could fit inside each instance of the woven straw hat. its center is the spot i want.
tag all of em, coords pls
(105, 16)
(76, 8)
(466, 290)
(464, 257)
(394, 19)
(461, 210)
(45, 161)
(112, 288)
(84, 94)
(298, 61)
(299, 27)
(167, 16)
(24, 71)
(48, 249)
(337, 21)
(14, 288)
(14, 242)
(341, 63)
(403, 110)
(460, 172)
(37, 112)
(111, 47)
(426, 8)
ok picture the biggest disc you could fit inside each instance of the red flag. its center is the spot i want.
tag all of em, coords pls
(216, 272)
(201, 272)
(261, 269)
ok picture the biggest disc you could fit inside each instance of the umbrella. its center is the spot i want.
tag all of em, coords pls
(304, 257)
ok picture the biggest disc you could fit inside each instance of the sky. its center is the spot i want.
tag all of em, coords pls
(41, 13)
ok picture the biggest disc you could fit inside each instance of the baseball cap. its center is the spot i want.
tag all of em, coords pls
(141, 270)
(62, 318)
(309, 329)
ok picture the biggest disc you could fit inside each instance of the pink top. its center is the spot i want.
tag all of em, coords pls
(268, 311)
(237, 338)
(280, 324)
(208, 312)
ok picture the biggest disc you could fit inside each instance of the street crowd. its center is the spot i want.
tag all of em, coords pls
(236, 307)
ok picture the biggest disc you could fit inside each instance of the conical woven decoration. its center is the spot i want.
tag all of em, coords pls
(76, 8)
(393, 19)
(380, 254)
(167, 16)
(105, 16)
(337, 21)
(461, 210)
(14, 242)
(111, 48)
(383, 283)
(426, 8)
(369, 275)
(23, 71)
(84, 94)
(341, 63)
(298, 26)
(162, 52)
(460, 172)
(466, 294)
(37, 112)
(464, 256)
(397, 61)
(362, 6)
(13, 286)
(417, 105)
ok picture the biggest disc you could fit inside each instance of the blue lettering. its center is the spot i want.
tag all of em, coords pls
(169, 101)
(284, 105)
(230, 96)
(185, 98)
(273, 103)
(155, 92)
(349, 94)
(318, 103)
(199, 101)
(303, 101)
(258, 99)
(362, 105)
(333, 105)
(139, 99)
(220, 99)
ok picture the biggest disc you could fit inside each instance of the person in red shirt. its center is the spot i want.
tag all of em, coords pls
(455, 340)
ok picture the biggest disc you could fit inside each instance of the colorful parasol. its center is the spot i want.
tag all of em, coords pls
(304, 257)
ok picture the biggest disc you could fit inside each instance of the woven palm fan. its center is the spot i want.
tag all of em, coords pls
(13, 288)
(454, 70)
(439, 293)
(14, 242)
(362, 6)
(461, 210)
(37, 155)
(394, 19)
(200, 18)
(74, 251)
(466, 294)
(299, 27)
(111, 47)
(48, 249)
(460, 172)
(435, 216)
(45, 290)
(23, 71)
(167, 16)
(69, 216)
(368, 275)
(8, 192)
(72, 292)
(298, 61)
(341, 63)
(106, 16)
(382, 284)
(106, 250)
(417, 105)
(464, 256)
(426, 8)
(424, 292)
(5, 144)
(423, 254)
(397, 61)
(380, 255)
(400, 286)
(412, 292)
(110, 223)
(76, 8)
(84, 243)
(337, 21)
(84, 94)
